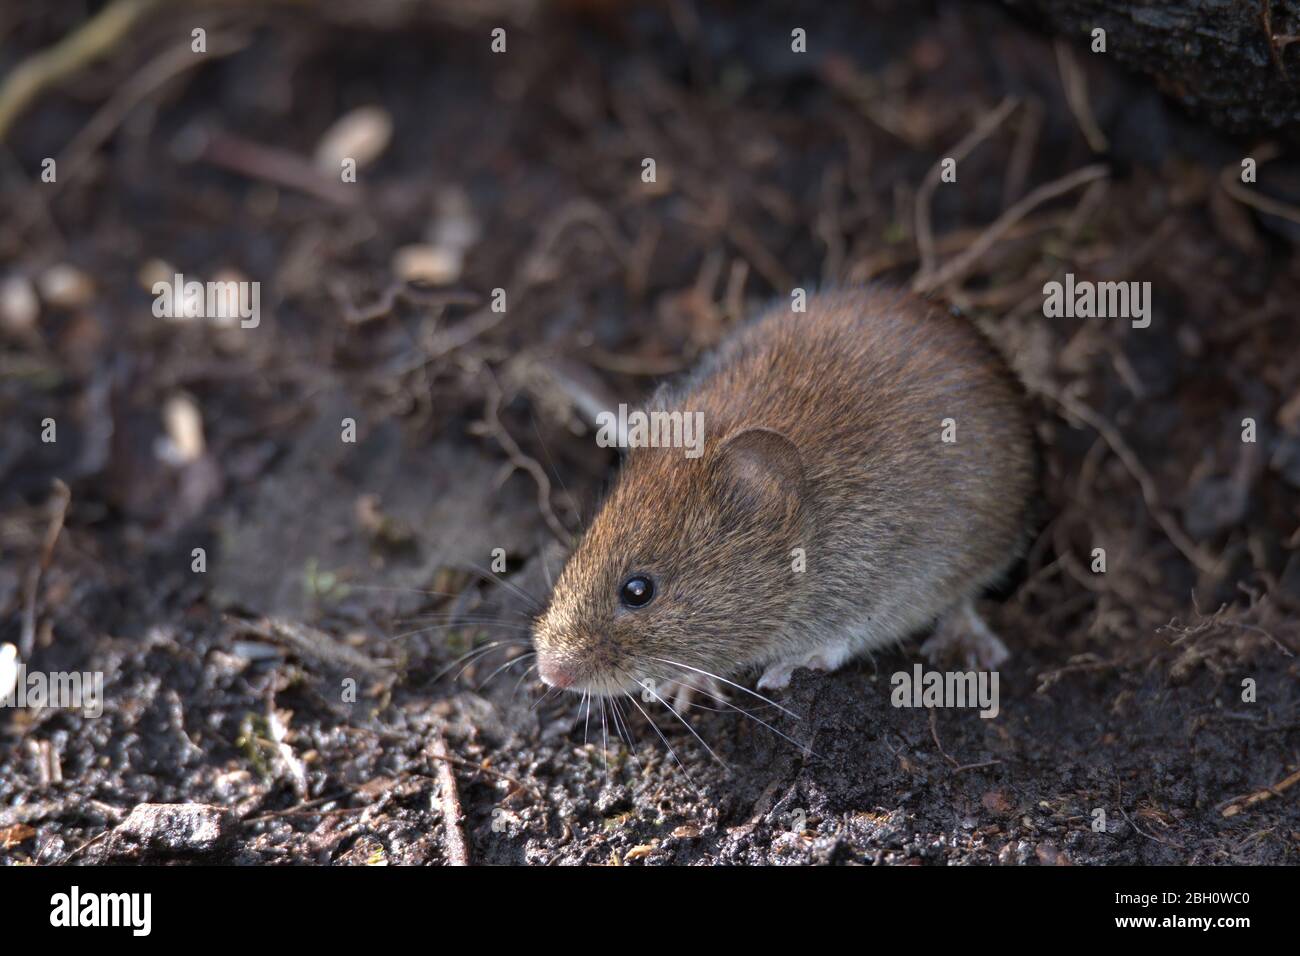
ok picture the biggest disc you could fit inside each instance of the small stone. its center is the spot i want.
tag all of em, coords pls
(360, 135)
(8, 670)
(435, 265)
(184, 425)
(66, 287)
(995, 801)
(155, 271)
(613, 799)
(168, 829)
(19, 307)
(1051, 855)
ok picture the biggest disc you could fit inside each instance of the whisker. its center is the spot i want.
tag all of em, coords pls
(506, 666)
(663, 660)
(468, 664)
(505, 583)
(426, 592)
(631, 741)
(433, 628)
(586, 696)
(572, 502)
(604, 738)
(546, 565)
(472, 652)
(452, 616)
(672, 753)
(740, 710)
(405, 590)
(543, 698)
(522, 677)
(685, 724)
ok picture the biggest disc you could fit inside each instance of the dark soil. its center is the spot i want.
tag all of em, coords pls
(1126, 733)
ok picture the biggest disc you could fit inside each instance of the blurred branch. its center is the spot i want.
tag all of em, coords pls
(91, 40)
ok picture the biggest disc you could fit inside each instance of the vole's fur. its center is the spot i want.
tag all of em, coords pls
(823, 431)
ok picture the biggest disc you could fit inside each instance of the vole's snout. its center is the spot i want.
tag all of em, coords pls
(574, 662)
(560, 661)
(554, 672)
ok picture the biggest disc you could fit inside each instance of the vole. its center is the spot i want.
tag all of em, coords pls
(867, 469)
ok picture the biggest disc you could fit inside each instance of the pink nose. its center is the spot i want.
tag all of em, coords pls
(555, 674)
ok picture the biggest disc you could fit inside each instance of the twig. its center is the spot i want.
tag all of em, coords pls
(91, 842)
(765, 264)
(309, 807)
(1149, 836)
(478, 767)
(956, 767)
(1112, 437)
(1075, 83)
(982, 131)
(462, 333)
(27, 639)
(91, 40)
(273, 165)
(894, 257)
(518, 459)
(1232, 185)
(312, 643)
(457, 847)
(434, 300)
(1022, 151)
(163, 68)
(1268, 793)
(960, 265)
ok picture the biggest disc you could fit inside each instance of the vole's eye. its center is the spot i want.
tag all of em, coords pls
(637, 591)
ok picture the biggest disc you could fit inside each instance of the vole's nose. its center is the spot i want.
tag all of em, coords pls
(555, 674)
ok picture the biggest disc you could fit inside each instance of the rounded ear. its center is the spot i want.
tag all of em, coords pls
(759, 469)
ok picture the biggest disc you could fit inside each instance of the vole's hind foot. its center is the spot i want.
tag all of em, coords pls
(826, 658)
(963, 637)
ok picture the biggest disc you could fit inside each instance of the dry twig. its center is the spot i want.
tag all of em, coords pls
(91, 40)
(960, 265)
(449, 795)
(59, 510)
(985, 128)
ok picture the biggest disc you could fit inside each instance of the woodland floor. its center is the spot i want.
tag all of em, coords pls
(1125, 690)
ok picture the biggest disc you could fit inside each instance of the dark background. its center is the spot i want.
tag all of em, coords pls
(329, 561)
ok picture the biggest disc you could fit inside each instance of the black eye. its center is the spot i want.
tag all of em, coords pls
(637, 591)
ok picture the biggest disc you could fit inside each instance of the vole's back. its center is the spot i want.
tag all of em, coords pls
(868, 384)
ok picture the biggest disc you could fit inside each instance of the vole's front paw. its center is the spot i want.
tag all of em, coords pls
(963, 637)
(679, 694)
(827, 658)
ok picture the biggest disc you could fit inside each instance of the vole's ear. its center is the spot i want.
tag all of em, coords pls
(759, 469)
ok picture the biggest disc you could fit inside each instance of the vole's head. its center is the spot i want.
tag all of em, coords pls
(686, 569)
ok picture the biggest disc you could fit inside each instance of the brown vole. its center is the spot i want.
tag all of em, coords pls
(867, 469)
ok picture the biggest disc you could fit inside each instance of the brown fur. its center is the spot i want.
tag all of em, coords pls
(898, 526)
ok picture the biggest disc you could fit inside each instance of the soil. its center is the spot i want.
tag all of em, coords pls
(1150, 713)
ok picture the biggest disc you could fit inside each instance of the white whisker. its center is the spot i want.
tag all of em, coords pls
(740, 710)
(663, 660)
(687, 726)
(506, 666)
(672, 753)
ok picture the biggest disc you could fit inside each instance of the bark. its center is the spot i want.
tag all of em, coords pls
(1235, 63)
